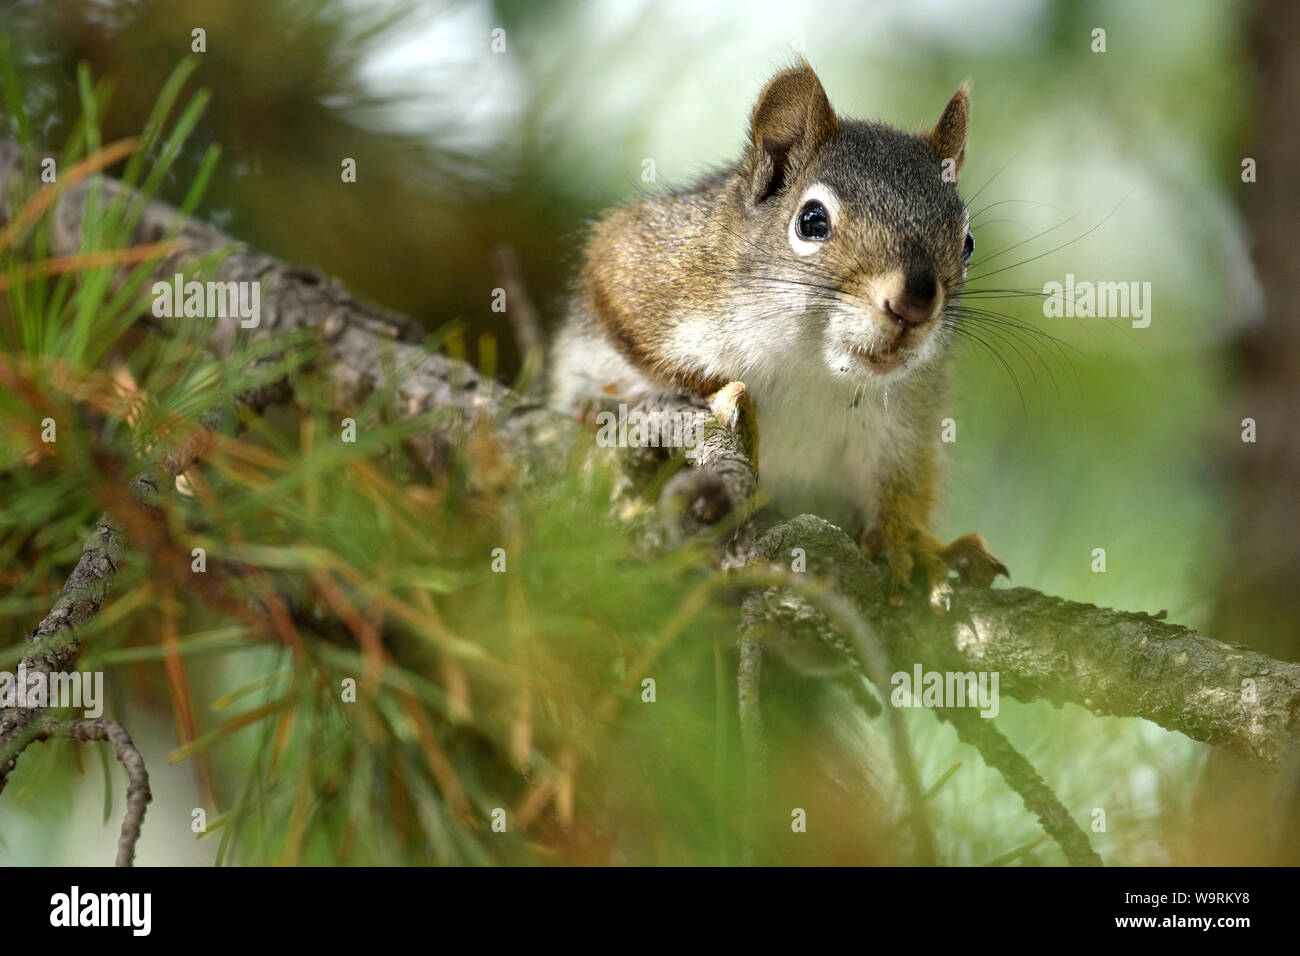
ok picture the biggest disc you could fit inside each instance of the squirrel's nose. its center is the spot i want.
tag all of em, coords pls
(914, 305)
(908, 311)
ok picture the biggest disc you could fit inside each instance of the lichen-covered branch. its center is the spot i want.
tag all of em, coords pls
(363, 345)
(56, 641)
(1120, 663)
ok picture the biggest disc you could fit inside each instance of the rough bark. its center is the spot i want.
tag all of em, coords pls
(1119, 663)
(138, 794)
(363, 345)
(56, 641)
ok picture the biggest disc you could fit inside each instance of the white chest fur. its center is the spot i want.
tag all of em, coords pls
(824, 447)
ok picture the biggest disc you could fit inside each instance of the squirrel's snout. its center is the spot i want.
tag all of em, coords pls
(911, 301)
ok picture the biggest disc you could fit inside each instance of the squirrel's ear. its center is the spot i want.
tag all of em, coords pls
(792, 120)
(948, 138)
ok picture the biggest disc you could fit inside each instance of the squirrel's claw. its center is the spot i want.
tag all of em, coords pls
(968, 555)
(971, 558)
(901, 564)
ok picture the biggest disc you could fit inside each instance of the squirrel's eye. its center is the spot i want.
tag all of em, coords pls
(814, 222)
(968, 248)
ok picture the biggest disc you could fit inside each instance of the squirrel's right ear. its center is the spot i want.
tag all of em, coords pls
(792, 120)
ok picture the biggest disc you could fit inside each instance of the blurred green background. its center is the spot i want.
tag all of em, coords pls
(1122, 166)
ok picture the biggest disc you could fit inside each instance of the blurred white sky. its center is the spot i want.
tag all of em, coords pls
(610, 83)
(437, 60)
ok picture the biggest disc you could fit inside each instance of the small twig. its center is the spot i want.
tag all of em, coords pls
(56, 640)
(522, 314)
(138, 793)
(1021, 777)
(876, 663)
(862, 647)
(753, 743)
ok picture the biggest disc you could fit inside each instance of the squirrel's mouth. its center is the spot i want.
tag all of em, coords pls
(878, 358)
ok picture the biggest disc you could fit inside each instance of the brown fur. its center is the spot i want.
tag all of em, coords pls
(694, 291)
(657, 265)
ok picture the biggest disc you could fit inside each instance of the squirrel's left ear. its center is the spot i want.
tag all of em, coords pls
(947, 140)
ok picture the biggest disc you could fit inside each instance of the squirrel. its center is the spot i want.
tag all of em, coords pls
(806, 285)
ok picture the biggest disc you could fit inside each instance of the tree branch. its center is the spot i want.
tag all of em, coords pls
(1120, 663)
(1044, 648)
(56, 641)
(1021, 776)
(1112, 662)
(138, 793)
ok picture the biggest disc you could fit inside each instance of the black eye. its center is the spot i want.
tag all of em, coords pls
(814, 222)
(968, 248)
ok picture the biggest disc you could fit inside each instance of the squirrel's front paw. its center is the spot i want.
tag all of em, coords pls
(732, 406)
(968, 555)
(971, 558)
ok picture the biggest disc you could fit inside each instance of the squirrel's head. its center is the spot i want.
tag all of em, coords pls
(856, 227)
